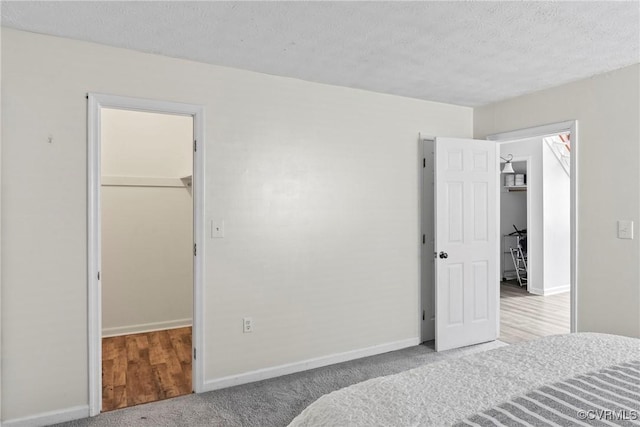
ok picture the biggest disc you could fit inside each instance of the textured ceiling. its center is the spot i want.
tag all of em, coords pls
(465, 53)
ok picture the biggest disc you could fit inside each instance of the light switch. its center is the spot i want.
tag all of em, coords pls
(625, 229)
(217, 229)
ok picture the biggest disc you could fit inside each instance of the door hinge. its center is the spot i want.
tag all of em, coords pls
(195, 145)
(424, 239)
(98, 275)
(195, 250)
(423, 315)
(194, 353)
(424, 163)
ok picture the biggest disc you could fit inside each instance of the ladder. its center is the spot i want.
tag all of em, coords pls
(520, 263)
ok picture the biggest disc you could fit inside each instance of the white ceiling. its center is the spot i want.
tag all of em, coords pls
(465, 53)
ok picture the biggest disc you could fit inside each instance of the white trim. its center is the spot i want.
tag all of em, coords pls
(498, 255)
(318, 362)
(529, 161)
(94, 292)
(95, 103)
(574, 225)
(198, 192)
(49, 418)
(570, 126)
(145, 327)
(1, 358)
(532, 132)
(551, 291)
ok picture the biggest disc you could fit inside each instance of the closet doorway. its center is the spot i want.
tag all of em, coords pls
(144, 275)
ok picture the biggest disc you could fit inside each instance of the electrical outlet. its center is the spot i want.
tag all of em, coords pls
(247, 325)
(217, 229)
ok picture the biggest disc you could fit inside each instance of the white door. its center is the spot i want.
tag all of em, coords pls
(466, 244)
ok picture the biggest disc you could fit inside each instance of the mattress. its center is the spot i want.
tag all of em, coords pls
(455, 391)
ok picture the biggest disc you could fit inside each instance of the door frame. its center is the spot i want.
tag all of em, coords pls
(97, 101)
(571, 127)
(427, 282)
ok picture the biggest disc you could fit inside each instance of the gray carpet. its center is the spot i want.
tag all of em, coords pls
(274, 402)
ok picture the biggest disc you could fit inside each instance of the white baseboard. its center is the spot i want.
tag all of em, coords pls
(556, 290)
(318, 362)
(550, 291)
(145, 327)
(49, 418)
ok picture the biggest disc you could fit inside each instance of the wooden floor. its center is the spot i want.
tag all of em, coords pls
(524, 316)
(145, 367)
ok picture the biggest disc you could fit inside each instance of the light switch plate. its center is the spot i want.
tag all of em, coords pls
(625, 229)
(217, 229)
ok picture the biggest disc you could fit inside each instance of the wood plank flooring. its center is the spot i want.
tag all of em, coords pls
(524, 316)
(143, 368)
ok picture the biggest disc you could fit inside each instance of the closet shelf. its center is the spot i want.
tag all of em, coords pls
(516, 187)
(145, 181)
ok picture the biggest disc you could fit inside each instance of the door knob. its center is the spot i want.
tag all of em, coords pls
(444, 255)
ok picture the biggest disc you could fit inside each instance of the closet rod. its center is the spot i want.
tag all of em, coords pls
(141, 181)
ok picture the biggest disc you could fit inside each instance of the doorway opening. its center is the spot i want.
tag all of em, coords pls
(147, 256)
(474, 221)
(145, 277)
(535, 217)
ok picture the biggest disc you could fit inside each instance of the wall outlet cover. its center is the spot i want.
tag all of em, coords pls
(247, 325)
(217, 229)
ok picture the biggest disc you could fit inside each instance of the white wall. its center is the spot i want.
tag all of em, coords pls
(147, 231)
(136, 143)
(557, 224)
(317, 185)
(607, 107)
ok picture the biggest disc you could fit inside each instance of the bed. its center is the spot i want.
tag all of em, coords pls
(567, 380)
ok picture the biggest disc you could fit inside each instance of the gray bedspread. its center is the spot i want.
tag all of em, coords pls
(447, 392)
(607, 397)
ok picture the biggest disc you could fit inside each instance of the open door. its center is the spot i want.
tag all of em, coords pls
(466, 242)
